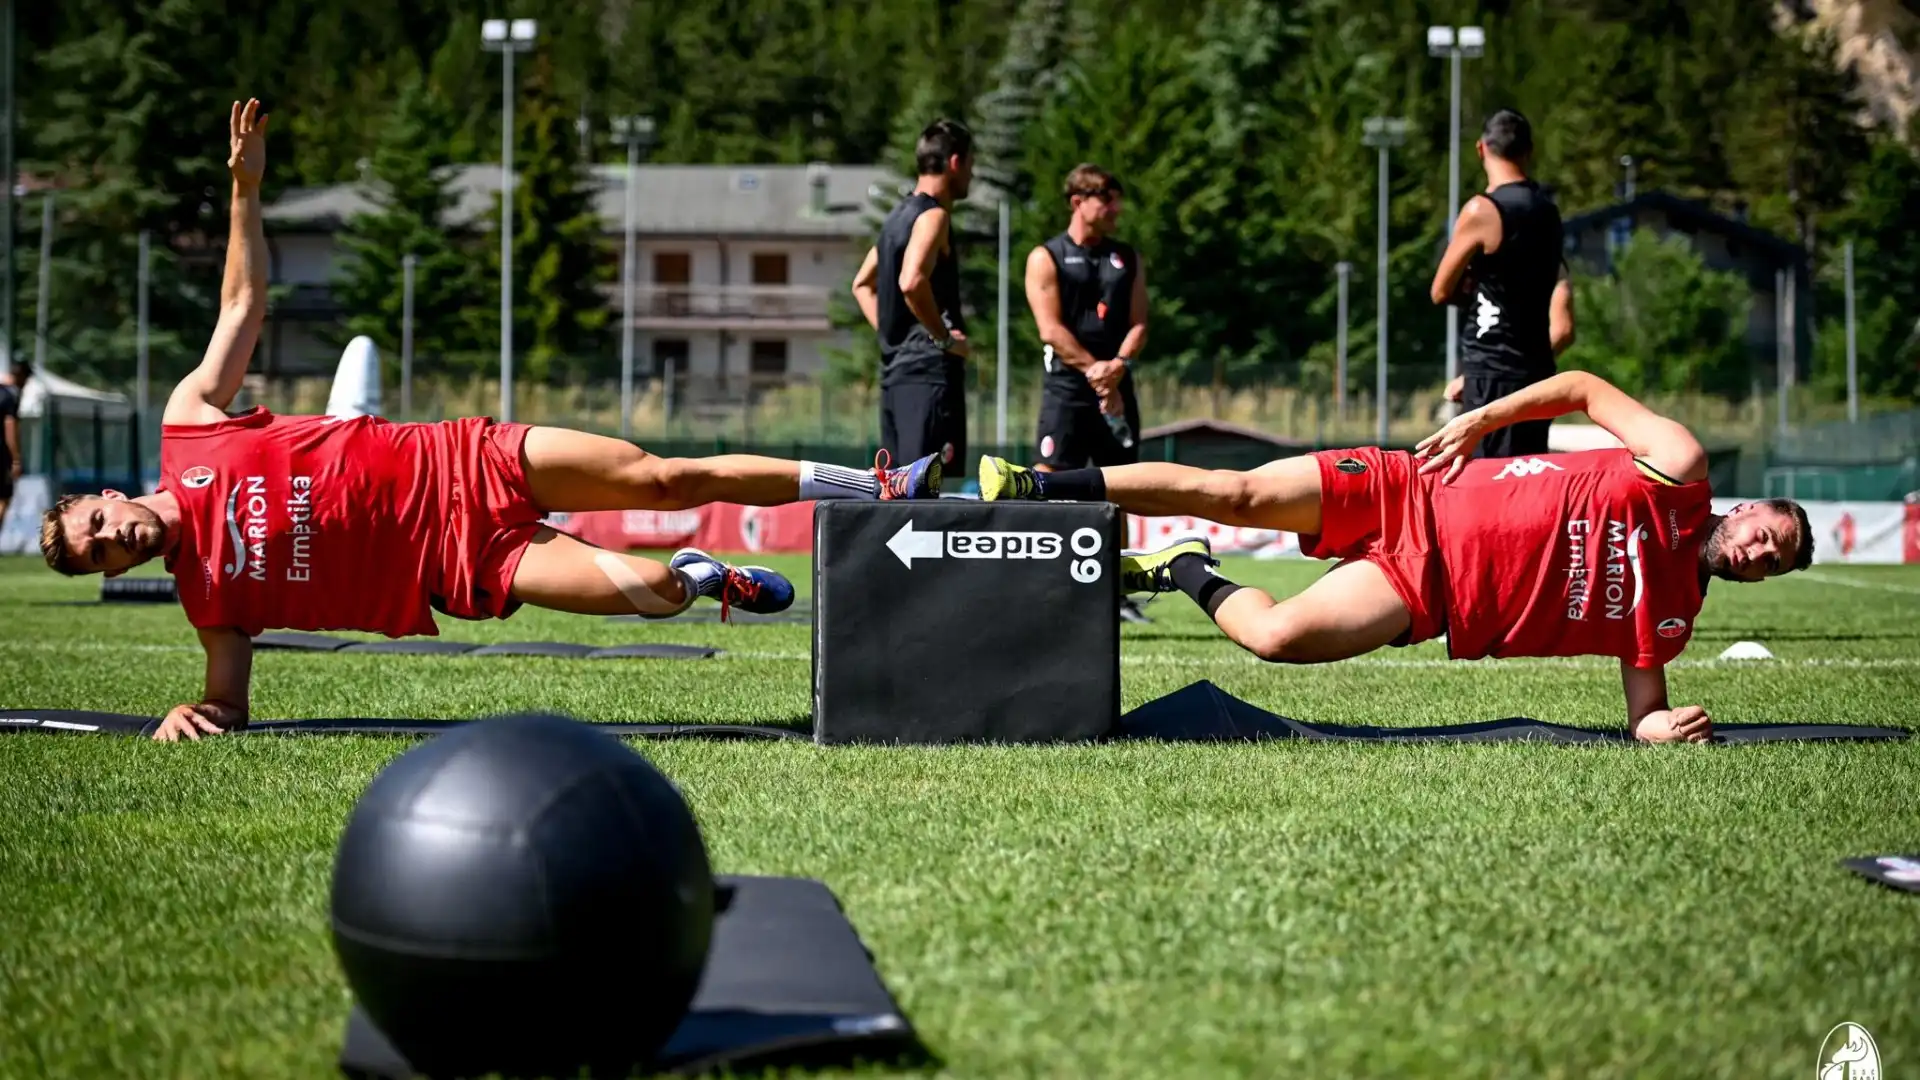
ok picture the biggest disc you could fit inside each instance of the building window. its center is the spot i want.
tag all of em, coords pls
(669, 356)
(770, 268)
(767, 358)
(672, 274)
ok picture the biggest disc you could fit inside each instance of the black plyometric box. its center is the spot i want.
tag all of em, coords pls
(958, 620)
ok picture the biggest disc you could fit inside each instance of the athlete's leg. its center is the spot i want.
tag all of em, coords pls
(572, 471)
(565, 574)
(1283, 495)
(559, 572)
(1350, 611)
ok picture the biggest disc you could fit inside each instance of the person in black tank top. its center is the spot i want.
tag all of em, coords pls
(1505, 269)
(909, 290)
(1088, 295)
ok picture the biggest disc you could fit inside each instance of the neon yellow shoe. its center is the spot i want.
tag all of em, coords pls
(1152, 571)
(1002, 479)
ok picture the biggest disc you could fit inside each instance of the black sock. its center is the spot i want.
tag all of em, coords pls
(1193, 576)
(1073, 485)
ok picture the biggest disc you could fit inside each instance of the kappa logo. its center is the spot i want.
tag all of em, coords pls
(1529, 466)
(1351, 466)
(197, 477)
(1671, 628)
(1487, 316)
(1849, 1053)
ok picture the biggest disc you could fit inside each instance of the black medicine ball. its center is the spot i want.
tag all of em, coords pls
(523, 895)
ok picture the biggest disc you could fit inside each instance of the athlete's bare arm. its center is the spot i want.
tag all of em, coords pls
(929, 239)
(1660, 442)
(1043, 299)
(1649, 718)
(223, 705)
(1477, 230)
(866, 288)
(1560, 314)
(202, 396)
(1136, 338)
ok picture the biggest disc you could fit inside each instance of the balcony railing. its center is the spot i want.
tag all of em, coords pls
(726, 302)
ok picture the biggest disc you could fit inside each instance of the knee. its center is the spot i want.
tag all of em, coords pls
(664, 483)
(1277, 640)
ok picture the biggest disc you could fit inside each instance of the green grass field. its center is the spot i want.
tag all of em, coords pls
(1103, 911)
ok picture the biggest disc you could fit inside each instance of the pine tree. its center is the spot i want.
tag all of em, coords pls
(134, 143)
(409, 183)
(1036, 45)
(560, 309)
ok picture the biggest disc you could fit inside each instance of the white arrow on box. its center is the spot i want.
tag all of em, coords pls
(908, 545)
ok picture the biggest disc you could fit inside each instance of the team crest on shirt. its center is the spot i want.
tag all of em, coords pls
(1046, 446)
(1100, 309)
(197, 477)
(1672, 628)
(1351, 466)
(1118, 263)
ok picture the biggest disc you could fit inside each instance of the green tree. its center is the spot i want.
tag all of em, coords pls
(409, 183)
(1663, 321)
(1036, 47)
(1882, 220)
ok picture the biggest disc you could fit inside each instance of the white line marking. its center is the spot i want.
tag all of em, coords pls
(1816, 576)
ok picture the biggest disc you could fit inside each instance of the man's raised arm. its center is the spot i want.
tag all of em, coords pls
(203, 395)
(1660, 442)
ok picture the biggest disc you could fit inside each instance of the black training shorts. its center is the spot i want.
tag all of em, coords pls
(1514, 440)
(1073, 434)
(921, 418)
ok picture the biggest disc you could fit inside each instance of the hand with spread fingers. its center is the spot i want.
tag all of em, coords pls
(192, 721)
(1452, 446)
(247, 143)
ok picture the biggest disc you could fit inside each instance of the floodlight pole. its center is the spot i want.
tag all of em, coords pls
(1345, 272)
(407, 264)
(1382, 133)
(144, 279)
(637, 133)
(1000, 376)
(1853, 368)
(498, 35)
(1454, 43)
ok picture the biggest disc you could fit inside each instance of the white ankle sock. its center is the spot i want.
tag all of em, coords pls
(819, 481)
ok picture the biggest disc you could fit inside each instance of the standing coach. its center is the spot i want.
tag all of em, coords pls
(1504, 266)
(909, 290)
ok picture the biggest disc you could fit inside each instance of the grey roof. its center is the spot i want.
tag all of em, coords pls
(679, 200)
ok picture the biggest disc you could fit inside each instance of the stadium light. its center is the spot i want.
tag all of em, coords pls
(498, 35)
(637, 133)
(1452, 44)
(1383, 133)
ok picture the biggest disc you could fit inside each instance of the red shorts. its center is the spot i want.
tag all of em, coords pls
(1374, 506)
(489, 516)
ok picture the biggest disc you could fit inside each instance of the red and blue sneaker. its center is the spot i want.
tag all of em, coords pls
(753, 589)
(919, 480)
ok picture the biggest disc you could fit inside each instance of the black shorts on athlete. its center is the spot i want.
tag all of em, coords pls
(1515, 440)
(921, 417)
(1074, 434)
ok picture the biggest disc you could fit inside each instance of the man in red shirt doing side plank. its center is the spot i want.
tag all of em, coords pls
(331, 523)
(1598, 553)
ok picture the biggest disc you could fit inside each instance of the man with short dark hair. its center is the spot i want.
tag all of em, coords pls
(1596, 553)
(1504, 267)
(12, 461)
(1088, 295)
(908, 287)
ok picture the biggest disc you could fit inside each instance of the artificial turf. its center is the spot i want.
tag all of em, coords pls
(1112, 910)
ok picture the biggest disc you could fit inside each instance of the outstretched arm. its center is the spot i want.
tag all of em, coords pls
(866, 288)
(1648, 716)
(223, 705)
(1653, 438)
(202, 396)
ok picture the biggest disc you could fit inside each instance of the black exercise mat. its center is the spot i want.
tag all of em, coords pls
(139, 590)
(85, 722)
(789, 617)
(301, 642)
(564, 650)
(788, 980)
(1202, 712)
(414, 647)
(1894, 871)
(654, 652)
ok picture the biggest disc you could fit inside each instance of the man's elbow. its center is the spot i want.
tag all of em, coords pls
(911, 281)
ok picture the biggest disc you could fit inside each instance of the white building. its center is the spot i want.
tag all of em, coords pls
(736, 264)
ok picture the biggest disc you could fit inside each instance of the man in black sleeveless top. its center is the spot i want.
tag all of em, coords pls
(1089, 302)
(1088, 296)
(1505, 269)
(909, 290)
